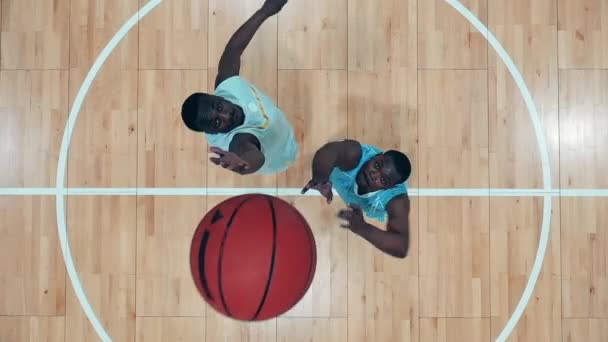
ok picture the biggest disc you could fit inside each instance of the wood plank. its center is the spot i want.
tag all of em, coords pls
(446, 40)
(584, 257)
(159, 329)
(92, 25)
(103, 152)
(583, 125)
(454, 329)
(382, 111)
(102, 235)
(221, 328)
(514, 239)
(174, 35)
(312, 329)
(32, 329)
(327, 295)
(527, 30)
(454, 257)
(314, 39)
(169, 154)
(33, 110)
(165, 226)
(583, 32)
(35, 35)
(383, 300)
(104, 144)
(583, 330)
(453, 129)
(315, 102)
(382, 35)
(32, 273)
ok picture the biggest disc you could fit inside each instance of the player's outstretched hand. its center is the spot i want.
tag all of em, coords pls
(229, 160)
(324, 188)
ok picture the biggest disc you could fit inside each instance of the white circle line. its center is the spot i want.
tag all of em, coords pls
(544, 153)
(73, 116)
(61, 166)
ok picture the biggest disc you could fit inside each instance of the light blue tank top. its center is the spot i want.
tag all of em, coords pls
(264, 120)
(372, 204)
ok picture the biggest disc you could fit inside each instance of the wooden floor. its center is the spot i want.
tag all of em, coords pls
(407, 74)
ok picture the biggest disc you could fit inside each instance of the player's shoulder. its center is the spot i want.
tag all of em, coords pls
(244, 138)
(351, 153)
(352, 149)
(234, 85)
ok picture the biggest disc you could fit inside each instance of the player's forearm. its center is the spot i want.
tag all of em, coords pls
(323, 162)
(251, 154)
(389, 242)
(241, 38)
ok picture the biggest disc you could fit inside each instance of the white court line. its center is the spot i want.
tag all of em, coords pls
(63, 156)
(413, 192)
(61, 191)
(544, 155)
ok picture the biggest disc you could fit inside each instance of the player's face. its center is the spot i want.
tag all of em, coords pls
(222, 117)
(378, 173)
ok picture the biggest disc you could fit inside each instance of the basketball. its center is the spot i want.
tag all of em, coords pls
(253, 257)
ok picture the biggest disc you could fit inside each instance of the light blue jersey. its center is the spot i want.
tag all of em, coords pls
(263, 119)
(373, 204)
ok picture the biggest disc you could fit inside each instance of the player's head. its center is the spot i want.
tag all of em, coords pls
(211, 114)
(384, 171)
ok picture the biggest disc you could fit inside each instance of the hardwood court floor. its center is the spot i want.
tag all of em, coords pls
(407, 74)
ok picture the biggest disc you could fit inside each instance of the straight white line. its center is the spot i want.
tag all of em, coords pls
(28, 191)
(584, 192)
(413, 192)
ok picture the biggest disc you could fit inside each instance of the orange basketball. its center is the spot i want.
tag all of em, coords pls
(253, 257)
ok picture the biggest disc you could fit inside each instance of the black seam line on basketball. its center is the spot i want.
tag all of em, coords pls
(217, 216)
(272, 259)
(201, 264)
(313, 252)
(221, 257)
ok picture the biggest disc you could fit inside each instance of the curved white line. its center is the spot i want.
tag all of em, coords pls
(61, 166)
(60, 182)
(544, 153)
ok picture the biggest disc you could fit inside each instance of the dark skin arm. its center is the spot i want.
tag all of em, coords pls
(247, 147)
(230, 62)
(342, 154)
(244, 156)
(395, 239)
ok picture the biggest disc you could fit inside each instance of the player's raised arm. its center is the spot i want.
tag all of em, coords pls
(230, 62)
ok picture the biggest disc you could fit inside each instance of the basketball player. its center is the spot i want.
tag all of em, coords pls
(369, 181)
(245, 129)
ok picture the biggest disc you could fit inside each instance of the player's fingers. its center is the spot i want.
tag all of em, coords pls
(217, 151)
(344, 214)
(327, 195)
(355, 207)
(307, 187)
